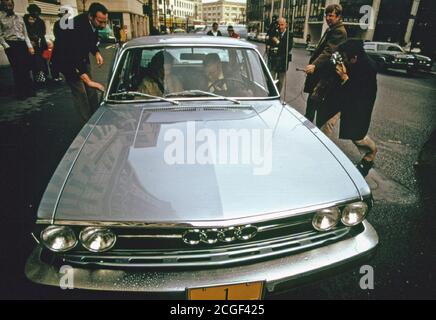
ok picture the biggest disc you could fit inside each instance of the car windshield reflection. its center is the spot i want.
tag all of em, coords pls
(163, 72)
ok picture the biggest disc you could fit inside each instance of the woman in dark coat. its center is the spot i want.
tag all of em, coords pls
(36, 31)
(355, 100)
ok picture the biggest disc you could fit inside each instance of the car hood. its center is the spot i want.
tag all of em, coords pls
(421, 57)
(136, 165)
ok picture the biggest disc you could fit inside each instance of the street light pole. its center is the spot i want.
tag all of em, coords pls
(165, 16)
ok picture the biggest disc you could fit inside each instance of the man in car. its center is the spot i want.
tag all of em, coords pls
(221, 82)
(160, 80)
(214, 74)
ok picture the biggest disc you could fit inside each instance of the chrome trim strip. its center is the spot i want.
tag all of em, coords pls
(137, 127)
(281, 225)
(206, 98)
(35, 238)
(262, 217)
(152, 236)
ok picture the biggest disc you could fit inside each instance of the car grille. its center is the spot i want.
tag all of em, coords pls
(165, 248)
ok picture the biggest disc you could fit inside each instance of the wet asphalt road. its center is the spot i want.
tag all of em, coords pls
(34, 135)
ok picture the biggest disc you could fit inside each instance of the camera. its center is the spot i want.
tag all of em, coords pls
(336, 58)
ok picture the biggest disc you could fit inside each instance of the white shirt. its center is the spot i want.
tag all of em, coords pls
(13, 28)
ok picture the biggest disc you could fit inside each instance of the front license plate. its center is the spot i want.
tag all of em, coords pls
(240, 291)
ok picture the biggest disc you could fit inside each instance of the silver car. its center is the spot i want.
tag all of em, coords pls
(194, 179)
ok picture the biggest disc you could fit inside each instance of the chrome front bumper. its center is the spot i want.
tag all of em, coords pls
(277, 273)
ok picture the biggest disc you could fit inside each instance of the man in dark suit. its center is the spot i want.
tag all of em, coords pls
(280, 46)
(71, 57)
(332, 38)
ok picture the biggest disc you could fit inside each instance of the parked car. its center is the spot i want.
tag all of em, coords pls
(311, 47)
(392, 56)
(134, 205)
(251, 35)
(262, 37)
(179, 30)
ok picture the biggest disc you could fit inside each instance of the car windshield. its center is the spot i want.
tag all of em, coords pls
(188, 72)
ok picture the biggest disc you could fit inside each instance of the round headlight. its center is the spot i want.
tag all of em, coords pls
(58, 238)
(354, 213)
(97, 239)
(326, 219)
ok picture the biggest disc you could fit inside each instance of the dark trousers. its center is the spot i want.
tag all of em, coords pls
(38, 65)
(85, 99)
(310, 109)
(21, 64)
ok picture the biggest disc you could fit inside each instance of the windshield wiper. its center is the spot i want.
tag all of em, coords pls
(140, 94)
(196, 92)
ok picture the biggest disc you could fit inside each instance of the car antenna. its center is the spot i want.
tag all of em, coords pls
(289, 27)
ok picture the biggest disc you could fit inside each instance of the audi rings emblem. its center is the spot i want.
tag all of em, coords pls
(212, 236)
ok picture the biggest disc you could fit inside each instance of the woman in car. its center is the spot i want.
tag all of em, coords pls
(160, 80)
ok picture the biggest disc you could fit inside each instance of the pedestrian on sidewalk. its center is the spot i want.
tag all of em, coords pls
(232, 33)
(332, 38)
(280, 47)
(308, 40)
(36, 31)
(353, 102)
(116, 29)
(214, 32)
(18, 49)
(71, 57)
(123, 35)
(65, 14)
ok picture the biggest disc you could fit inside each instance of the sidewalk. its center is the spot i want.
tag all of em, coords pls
(6, 84)
(56, 95)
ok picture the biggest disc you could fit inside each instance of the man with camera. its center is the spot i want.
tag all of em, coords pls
(279, 47)
(332, 38)
(353, 100)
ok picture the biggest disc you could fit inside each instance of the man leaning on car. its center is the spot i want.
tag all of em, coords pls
(71, 57)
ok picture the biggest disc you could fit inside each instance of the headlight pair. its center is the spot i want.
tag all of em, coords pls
(351, 215)
(63, 238)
